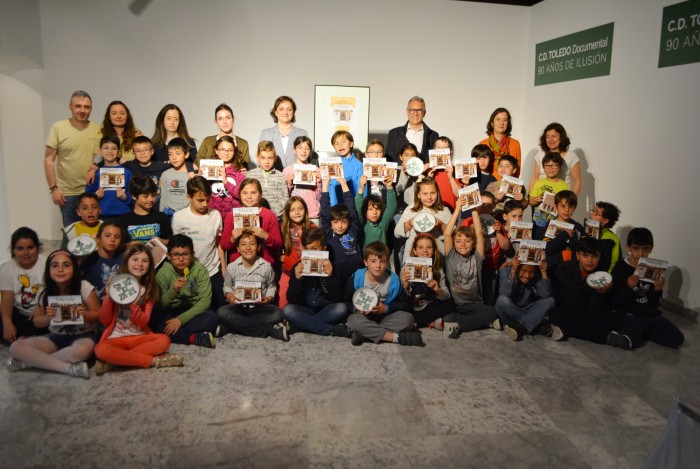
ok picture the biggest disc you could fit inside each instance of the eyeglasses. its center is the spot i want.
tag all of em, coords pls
(143, 150)
(228, 150)
(378, 152)
(416, 111)
(180, 255)
(551, 165)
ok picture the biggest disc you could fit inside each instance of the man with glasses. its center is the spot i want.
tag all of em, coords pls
(415, 131)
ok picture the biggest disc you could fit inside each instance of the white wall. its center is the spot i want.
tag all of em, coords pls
(636, 127)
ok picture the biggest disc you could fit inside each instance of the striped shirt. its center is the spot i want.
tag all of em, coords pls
(260, 272)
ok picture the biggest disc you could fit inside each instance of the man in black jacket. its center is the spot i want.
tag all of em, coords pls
(414, 131)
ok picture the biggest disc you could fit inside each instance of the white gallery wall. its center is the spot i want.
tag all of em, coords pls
(246, 53)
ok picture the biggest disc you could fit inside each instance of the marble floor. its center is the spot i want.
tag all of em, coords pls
(479, 401)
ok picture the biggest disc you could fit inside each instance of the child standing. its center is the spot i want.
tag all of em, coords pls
(295, 221)
(260, 319)
(507, 166)
(114, 201)
(66, 348)
(225, 194)
(274, 186)
(127, 339)
(342, 230)
(405, 185)
(20, 280)
(465, 256)
(103, 264)
(315, 304)
(311, 194)
(373, 216)
(551, 163)
(89, 212)
(484, 161)
(183, 311)
(607, 215)
(268, 231)
(143, 223)
(443, 177)
(343, 143)
(385, 322)
(562, 246)
(174, 181)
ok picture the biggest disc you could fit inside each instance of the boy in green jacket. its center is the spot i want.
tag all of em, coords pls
(374, 217)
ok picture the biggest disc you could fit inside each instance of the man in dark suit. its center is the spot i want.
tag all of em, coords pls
(414, 131)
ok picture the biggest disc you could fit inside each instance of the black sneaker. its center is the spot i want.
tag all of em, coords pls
(515, 331)
(279, 332)
(356, 339)
(452, 330)
(221, 331)
(291, 328)
(411, 338)
(545, 328)
(205, 339)
(341, 330)
(618, 340)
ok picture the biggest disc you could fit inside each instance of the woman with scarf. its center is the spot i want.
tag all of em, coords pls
(498, 129)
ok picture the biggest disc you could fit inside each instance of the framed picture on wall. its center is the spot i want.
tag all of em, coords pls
(340, 108)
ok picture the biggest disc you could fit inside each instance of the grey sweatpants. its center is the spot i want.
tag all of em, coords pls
(374, 326)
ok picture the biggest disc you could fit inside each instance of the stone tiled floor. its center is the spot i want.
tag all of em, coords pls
(479, 401)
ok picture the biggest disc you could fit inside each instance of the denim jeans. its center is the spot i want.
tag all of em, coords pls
(530, 315)
(69, 211)
(319, 321)
(205, 321)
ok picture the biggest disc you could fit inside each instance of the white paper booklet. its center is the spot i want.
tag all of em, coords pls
(592, 228)
(439, 158)
(305, 175)
(520, 230)
(650, 270)
(247, 292)
(420, 268)
(547, 205)
(531, 252)
(212, 169)
(471, 195)
(374, 169)
(392, 168)
(331, 167)
(66, 310)
(511, 186)
(313, 263)
(246, 217)
(555, 227)
(158, 250)
(465, 168)
(112, 178)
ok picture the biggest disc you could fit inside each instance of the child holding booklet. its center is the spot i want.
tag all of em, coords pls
(315, 303)
(114, 199)
(430, 300)
(127, 339)
(633, 297)
(507, 166)
(373, 216)
(225, 193)
(343, 142)
(295, 221)
(256, 317)
(484, 161)
(67, 347)
(268, 230)
(272, 182)
(443, 177)
(562, 244)
(607, 215)
(551, 183)
(310, 193)
(465, 256)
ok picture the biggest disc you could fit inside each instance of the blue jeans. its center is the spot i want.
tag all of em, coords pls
(317, 321)
(69, 211)
(530, 315)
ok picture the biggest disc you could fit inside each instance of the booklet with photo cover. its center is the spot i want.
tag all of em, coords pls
(212, 170)
(158, 250)
(471, 195)
(439, 158)
(420, 269)
(531, 252)
(246, 217)
(392, 168)
(304, 175)
(511, 186)
(592, 228)
(465, 168)
(555, 227)
(331, 167)
(112, 178)
(313, 263)
(547, 205)
(650, 270)
(520, 230)
(247, 292)
(374, 169)
(66, 307)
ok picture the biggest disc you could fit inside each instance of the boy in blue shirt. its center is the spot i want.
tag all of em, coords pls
(343, 142)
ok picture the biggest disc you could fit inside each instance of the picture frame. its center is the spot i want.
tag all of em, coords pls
(338, 107)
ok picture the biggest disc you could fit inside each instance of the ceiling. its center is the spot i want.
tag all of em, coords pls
(525, 3)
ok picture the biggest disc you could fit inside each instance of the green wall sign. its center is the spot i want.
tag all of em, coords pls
(680, 34)
(584, 54)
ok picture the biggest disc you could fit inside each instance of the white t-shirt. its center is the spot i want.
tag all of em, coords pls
(203, 229)
(26, 284)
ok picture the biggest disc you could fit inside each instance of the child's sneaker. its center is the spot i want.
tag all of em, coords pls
(451, 330)
(438, 324)
(102, 367)
(279, 332)
(411, 338)
(557, 334)
(167, 360)
(618, 340)
(341, 330)
(79, 370)
(515, 331)
(17, 365)
(356, 338)
(496, 324)
(205, 339)
(221, 331)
